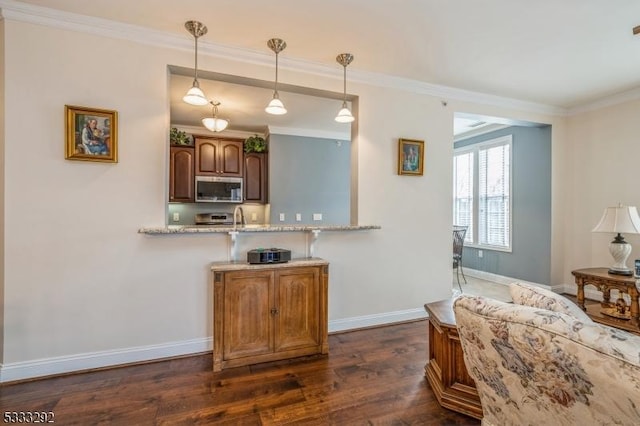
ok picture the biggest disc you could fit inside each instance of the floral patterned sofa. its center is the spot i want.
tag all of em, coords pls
(541, 360)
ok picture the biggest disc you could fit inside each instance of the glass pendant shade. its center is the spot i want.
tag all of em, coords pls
(276, 107)
(195, 96)
(344, 115)
(214, 123)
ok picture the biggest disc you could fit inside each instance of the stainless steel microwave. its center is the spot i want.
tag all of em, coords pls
(218, 189)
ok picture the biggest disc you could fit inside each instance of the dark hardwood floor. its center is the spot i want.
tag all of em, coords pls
(371, 377)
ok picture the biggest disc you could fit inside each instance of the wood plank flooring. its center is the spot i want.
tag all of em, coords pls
(371, 377)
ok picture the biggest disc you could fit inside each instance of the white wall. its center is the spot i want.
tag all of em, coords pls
(603, 171)
(81, 283)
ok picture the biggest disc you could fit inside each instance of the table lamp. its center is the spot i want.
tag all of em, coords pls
(618, 220)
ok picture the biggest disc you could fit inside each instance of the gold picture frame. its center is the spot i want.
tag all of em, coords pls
(410, 157)
(91, 134)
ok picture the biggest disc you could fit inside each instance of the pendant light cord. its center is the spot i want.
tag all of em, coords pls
(195, 76)
(275, 87)
(345, 83)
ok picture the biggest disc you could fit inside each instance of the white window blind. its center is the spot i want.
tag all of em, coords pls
(463, 192)
(482, 192)
(493, 195)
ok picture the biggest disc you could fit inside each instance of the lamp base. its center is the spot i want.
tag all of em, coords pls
(626, 273)
(620, 251)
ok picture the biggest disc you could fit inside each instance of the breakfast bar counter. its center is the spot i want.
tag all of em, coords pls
(233, 231)
(204, 229)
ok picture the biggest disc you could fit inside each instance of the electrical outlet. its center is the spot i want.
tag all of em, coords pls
(480, 254)
(298, 217)
(317, 216)
(254, 217)
(176, 217)
(281, 217)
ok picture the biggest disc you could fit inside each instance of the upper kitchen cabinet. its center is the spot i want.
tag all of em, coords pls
(218, 157)
(255, 178)
(181, 177)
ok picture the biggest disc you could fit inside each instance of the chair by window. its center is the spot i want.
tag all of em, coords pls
(459, 233)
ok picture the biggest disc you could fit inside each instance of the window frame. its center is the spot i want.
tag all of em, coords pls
(475, 214)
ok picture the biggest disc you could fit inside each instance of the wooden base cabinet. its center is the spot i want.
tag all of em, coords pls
(269, 312)
(445, 369)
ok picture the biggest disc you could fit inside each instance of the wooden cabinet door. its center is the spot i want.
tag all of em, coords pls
(207, 157)
(181, 174)
(248, 302)
(255, 178)
(230, 158)
(297, 323)
(219, 157)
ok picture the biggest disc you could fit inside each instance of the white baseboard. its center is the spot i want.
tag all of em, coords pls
(501, 279)
(376, 319)
(10, 372)
(65, 364)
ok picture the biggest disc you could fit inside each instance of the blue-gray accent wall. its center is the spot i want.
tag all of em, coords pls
(309, 175)
(530, 258)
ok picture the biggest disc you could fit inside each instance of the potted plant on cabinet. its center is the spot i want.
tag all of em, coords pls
(255, 143)
(178, 137)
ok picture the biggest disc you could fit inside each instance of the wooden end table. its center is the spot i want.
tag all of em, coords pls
(607, 313)
(445, 369)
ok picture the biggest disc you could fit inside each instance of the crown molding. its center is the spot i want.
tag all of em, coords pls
(618, 98)
(310, 133)
(473, 133)
(23, 12)
(203, 131)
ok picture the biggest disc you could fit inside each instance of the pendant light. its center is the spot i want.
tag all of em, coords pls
(276, 107)
(344, 115)
(194, 95)
(214, 123)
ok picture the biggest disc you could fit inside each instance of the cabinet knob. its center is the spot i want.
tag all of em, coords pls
(274, 311)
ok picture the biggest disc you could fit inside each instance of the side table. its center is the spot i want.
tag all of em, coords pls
(621, 316)
(445, 369)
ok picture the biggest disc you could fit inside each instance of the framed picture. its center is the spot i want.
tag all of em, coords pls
(410, 157)
(91, 134)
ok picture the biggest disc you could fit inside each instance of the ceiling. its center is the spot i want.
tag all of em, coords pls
(558, 53)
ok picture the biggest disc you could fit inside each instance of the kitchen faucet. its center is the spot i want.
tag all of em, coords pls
(235, 212)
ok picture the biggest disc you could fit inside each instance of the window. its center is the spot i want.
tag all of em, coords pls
(482, 193)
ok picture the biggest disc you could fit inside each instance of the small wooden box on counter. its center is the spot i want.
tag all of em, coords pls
(269, 312)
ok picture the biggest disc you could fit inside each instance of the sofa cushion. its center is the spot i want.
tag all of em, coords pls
(537, 297)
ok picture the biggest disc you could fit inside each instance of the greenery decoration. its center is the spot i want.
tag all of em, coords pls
(178, 137)
(255, 143)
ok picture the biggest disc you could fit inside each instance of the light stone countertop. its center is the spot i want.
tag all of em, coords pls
(204, 229)
(240, 266)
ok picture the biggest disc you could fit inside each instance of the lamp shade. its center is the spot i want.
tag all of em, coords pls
(344, 115)
(276, 107)
(195, 96)
(620, 219)
(215, 124)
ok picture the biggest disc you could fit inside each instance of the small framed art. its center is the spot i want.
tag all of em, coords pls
(410, 157)
(91, 134)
